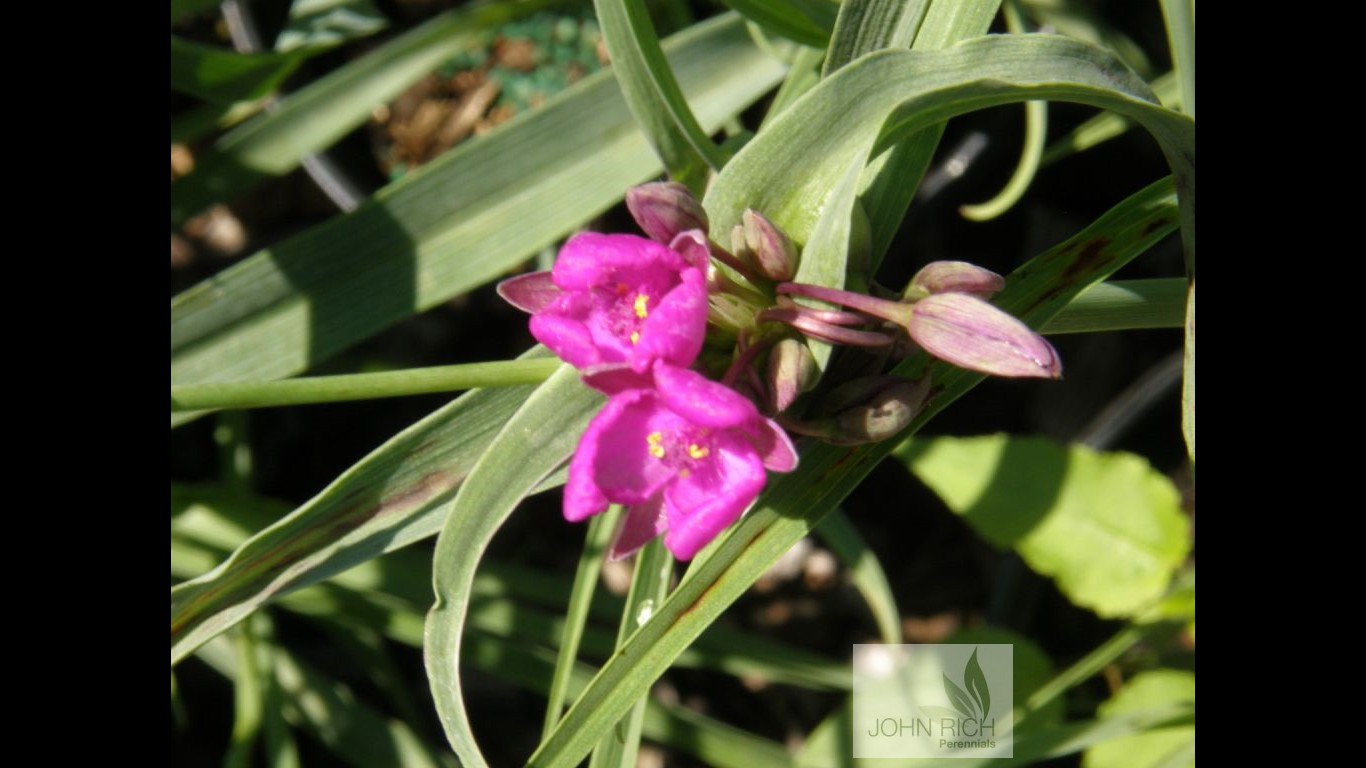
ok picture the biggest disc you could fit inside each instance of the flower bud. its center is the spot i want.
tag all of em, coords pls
(972, 334)
(663, 209)
(889, 405)
(730, 314)
(773, 252)
(792, 370)
(954, 277)
(531, 292)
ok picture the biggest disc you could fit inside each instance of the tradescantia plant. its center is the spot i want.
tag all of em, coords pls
(712, 392)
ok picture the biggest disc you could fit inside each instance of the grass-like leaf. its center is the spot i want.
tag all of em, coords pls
(224, 77)
(538, 438)
(865, 571)
(888, 95)
(804, 21)
(461, 221)
(389, 499)
(653, 94)
(864, 26)
(319, 114)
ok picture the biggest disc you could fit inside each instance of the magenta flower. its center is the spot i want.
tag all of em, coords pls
(617, 299)
(687, 458)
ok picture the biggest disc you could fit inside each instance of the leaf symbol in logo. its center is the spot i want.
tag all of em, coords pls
(976, 682)
(959, 698)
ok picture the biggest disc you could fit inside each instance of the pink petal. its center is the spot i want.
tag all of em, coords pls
(677, 326)
(703, 402)
(590, 259)
(567, 338)
(712, 497)
(622, 466)
(774, 446)
(692, 245)
(530, 293)
(641, 523)
(617, 377)
(582, 497)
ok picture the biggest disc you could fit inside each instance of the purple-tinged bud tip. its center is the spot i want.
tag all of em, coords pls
(774, 254)
(972, 334)
(529, 293)
(792, 370)
(954, 277)
(665, 208)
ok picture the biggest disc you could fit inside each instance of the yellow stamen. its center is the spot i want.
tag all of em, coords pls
(697, 452)
(635, 337)
(685, 474)
(654, 439)
(642, 310)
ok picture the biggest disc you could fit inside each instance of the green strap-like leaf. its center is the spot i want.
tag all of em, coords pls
(1180, 18)
(711, 741)
(540, 436)
(804, 21)
(599, 537)
(331, 712)
(649, 585)
(316, 116)
(653, 94)
(461, 221)
(224, 77)
(840, 535)
(795, 503)
(1124, 305)
(864, 26)
(891, 179)
(389, 499)
(888, 95)
(1107, 125)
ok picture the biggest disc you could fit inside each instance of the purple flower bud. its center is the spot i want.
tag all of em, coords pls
(954, 277)
(774, 254)
(663, 209)
(530, 293)
(791, 371)
(972, 334)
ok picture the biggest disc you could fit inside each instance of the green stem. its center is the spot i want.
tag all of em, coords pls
(600, 530)
(1087, 666)
(360, 386)
(649, 587)
(248, 695)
